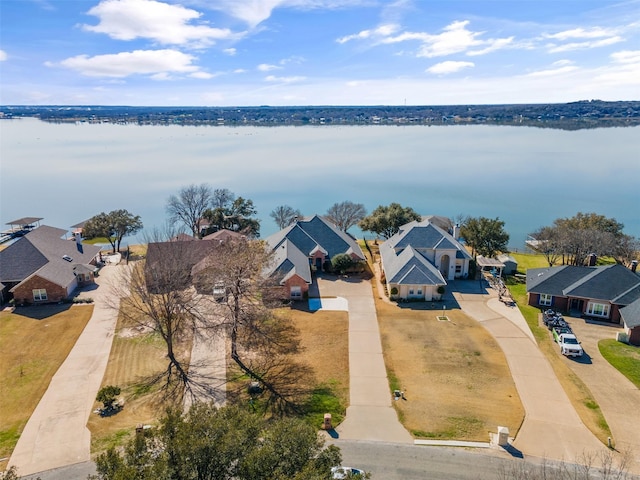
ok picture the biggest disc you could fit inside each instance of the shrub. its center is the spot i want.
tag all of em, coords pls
(107, 395)
(440, 289)
(394, 291)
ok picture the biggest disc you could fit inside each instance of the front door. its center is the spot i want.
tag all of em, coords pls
(444, 266)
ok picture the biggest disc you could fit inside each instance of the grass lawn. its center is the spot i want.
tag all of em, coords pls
(625, 358)
(134, 358)
(324, 337)
(35, 341)
(578, 393)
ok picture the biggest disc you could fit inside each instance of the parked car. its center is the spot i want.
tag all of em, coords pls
(340, 473)
(569, 344)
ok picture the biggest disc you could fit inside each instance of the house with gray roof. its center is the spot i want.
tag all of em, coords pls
(42, 266)
(597, 292)
(420, 258)
(307, 245)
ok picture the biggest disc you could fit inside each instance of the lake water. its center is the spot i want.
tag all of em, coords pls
(526, 176)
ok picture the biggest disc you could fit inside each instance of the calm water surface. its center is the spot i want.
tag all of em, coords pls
(525, 176)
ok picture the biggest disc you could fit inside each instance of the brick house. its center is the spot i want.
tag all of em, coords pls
(43, 267)
(596, 292)
(304, 246)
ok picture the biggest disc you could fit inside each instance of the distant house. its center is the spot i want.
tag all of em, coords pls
(43, 267)
(307, 245)
(420, 258)
(598, 292)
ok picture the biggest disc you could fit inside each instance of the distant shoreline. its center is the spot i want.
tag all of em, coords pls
(586, 114)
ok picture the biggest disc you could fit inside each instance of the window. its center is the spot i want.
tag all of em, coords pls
(411, 291)
(39, 294)
(598, 309)
(458, 268)
(545, 299)
(296, 292)
(419, 291)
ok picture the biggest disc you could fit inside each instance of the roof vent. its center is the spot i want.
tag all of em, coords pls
(67, 258)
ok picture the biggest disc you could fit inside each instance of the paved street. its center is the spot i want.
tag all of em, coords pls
(56, 433)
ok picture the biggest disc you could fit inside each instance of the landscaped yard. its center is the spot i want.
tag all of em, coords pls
(625, 358)
(35, 342)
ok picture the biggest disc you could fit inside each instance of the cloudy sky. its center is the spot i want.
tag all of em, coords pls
(317, 52)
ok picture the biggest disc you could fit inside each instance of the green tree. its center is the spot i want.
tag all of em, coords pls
(485, 236)
(218, 444)
(236, 214)
(284, 215)
(575, 238)
(341, 262)
(114, 226)
(346, 214)
(107, 395)
(386, 221)
(189, 206)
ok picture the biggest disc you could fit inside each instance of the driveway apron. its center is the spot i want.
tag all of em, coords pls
(56, 433)
(551, 429)
(370, 415)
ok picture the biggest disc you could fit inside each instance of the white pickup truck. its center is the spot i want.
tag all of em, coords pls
(569, 344)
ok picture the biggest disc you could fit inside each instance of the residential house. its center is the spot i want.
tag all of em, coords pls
(420, 258)
(631, 321)
(307, 245)
(43, 267)
(597, 292)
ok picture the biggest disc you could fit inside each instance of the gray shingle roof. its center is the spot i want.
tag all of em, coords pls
(426, 236)
(289, 261)
(408, 267)
(612, 283)
(631, 314)
(41, 252)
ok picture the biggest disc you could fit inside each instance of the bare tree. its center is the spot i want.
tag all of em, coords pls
(222, 198)
(346, 214)
(189, 206)
(284, 215)
(263, 345)
(158, 297)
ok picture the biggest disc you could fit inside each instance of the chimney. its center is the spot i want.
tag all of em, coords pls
(456, 231)
(634, 266)
(592, 259)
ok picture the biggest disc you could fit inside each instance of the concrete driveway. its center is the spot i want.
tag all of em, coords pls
(618, 398)
(551, 429)
(56, 433)
(370, 415)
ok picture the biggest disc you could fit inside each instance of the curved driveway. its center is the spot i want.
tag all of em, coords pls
(551, 429)
(56, 433)
(619, 399)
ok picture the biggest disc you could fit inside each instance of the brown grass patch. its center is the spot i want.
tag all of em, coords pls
(453, 373)
(35, 342)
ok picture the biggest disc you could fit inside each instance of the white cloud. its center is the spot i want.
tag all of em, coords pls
(138, 62)
(626, 56)
(157, 21)
(202, 75)
(553, 71)
(3, 55)
(266, 67)
(273, 78)
(381, 32)
(595, 32)
(562, 63)
(252, 12)
(455, 38)
(447, 67)
(552, 48)
(230, 51)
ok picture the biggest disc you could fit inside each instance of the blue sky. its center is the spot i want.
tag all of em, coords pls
(317, 52)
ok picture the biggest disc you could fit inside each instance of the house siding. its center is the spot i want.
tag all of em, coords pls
(55, 293)
(295, 281)
(634, 335)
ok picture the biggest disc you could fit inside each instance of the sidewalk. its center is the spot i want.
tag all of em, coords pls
(56, 433)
